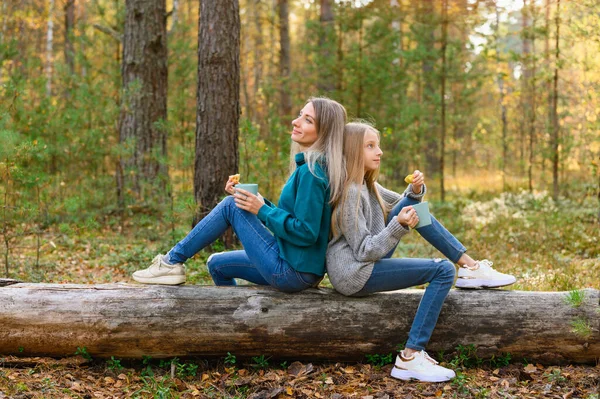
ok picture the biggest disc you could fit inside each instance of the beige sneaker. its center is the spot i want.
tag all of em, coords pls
(485, 276)
(161, 273)
(420, 367)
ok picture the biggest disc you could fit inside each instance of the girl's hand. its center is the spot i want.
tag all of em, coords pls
(418, 181)
(229, 187)
(408, 217)
(247, 201)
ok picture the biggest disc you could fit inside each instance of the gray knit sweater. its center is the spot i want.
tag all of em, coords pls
(365, 238)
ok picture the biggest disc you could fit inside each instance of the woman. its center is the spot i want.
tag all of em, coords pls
(284, 245)
(367, 223)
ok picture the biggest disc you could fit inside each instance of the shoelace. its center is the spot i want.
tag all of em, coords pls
(427, 357)
(485, 263)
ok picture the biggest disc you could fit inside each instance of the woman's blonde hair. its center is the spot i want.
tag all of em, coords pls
(354, 155)
(330, 118)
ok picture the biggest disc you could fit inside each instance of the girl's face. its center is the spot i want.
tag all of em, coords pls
(304, 130)
(372, 152)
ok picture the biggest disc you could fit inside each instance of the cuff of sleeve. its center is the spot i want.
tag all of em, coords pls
(411, 194)
(263, 212)
(268, 203)
(397, 230)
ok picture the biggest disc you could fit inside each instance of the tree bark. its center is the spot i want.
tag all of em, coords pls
(142, 172)
(131, 321)
(284, 60)
(443, 95)
(502, 102)
(49, 49)
(218, 109)
(555, 127)
(427, 49)
(326, 82)
(69, 24)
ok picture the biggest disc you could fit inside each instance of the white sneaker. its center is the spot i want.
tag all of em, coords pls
(420, 367)
(483, 277)
(160, 272)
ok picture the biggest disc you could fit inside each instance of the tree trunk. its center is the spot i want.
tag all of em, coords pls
(284, 61)
(427, 45)
(326, 82)
(142, 172)
(500, 78)
(532, 107)
(131, 321)
(555, 127)
(443, 95)
(359, 93)
(69, 24)
(49, 51)
(217, 120)
(258, 50)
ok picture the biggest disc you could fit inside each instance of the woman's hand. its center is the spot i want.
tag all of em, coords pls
(247, 201)
(229, 186)
(418, 181)
(408, 217)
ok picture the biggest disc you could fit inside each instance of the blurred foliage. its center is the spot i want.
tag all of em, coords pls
(58, 153)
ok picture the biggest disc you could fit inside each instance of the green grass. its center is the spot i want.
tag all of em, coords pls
(575, 298)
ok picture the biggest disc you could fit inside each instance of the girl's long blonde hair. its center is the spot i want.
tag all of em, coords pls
(354, 137)
(330, 118)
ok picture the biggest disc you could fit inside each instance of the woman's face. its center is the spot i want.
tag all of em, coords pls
(304, 130)
(372, 152)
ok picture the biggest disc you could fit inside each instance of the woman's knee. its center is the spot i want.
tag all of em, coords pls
(212, 263)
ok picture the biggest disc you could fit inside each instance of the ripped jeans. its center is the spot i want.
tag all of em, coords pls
(391, 274)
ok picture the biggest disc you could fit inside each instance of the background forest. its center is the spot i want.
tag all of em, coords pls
(497, 101)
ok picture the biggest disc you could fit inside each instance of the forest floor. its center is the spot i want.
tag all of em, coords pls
(548, 247)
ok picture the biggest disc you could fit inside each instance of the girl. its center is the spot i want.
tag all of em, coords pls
(284, 245)
(367, 223)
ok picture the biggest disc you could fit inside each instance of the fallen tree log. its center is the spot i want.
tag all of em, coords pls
(131, 321)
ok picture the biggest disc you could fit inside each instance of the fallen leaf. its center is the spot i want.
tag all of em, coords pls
(289, 391)
(530, 368)
(109, 380)
(329, 381)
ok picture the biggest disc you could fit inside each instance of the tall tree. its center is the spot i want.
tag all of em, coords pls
(142, 169)
(49, 46)
(555, 126)
(532, 95)
(326, 83)
(284, 59)
(427, 53)
(218, 107)
(501, 100)
(69, 10)
(443, 94)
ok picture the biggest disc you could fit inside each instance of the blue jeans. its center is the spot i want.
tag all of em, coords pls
(391, 274)
(260, 263)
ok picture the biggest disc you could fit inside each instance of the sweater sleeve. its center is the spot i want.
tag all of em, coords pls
(367, 247)
(301, 227)
(389, 196)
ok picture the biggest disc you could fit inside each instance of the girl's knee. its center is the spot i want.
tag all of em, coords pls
(447, 269)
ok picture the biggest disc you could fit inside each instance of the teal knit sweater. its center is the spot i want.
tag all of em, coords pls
(301, 220)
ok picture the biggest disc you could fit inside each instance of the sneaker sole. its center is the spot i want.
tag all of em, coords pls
(163, 280)
(479, 283)
(407, 375)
